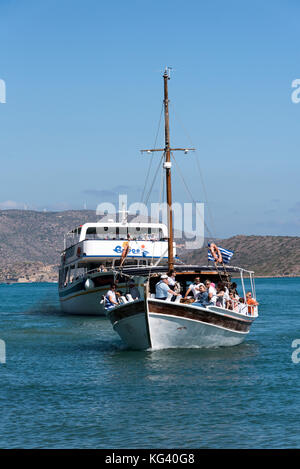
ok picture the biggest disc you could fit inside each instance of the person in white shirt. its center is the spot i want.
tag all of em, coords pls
(111, 297)
(226, 295)
(171, 278)
(212, 292)
(194, 288)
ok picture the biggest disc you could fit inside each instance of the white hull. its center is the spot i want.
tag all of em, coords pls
(168, 328)
(84, 303)
(174, 332)
(133, 331)
(130, 322)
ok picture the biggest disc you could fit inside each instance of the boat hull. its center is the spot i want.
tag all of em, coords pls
(159, 324)
(84, 303)
(130, 322)
(85, 295)
(186, 326)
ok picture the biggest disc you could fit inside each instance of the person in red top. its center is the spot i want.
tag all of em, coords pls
(252, 302)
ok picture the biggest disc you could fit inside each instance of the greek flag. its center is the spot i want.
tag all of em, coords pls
(226, 255)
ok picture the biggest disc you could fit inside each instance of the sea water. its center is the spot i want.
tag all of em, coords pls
(69, 382)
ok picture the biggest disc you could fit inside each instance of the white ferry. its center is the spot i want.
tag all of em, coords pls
(93, 256)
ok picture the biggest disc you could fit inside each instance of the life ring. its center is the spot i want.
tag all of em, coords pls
(215, 252)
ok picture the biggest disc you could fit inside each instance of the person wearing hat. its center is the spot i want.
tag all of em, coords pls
(134, 291)
(162, 288)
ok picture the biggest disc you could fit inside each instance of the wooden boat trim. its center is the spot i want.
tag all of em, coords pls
(126, 310)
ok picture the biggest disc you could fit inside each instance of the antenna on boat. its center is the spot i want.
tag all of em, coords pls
(168, 72)
(168, 165)
(123, 213)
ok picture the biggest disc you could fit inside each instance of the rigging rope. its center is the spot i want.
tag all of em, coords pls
(199, 169)
(154, 179)
(191, 196)
(151, 159)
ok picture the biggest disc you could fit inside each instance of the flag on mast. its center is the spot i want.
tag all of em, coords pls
(226, 254)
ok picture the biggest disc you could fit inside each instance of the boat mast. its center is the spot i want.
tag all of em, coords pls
(167, 166)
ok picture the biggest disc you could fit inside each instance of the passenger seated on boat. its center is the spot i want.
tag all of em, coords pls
(162, 288)
(193, 288)
(232, 303)
(221, 295)
(233, 287)
(111, 297)
(134, 291)
(171, 278)
(212, 292)
(172, 282)
(252, 302)
(202, 297)
(243, 309)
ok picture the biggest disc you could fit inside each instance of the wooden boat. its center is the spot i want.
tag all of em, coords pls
(153, 323)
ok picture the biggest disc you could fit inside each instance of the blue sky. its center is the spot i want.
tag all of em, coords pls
(84, 94)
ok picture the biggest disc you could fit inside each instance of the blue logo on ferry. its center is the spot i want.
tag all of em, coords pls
(119, 249)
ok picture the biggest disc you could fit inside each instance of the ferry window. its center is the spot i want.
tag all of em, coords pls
(123, 232)
(139, 233)
(105, 232)
(91, 233)
(155, 234)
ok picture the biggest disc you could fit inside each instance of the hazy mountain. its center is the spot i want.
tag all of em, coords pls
(30, 244)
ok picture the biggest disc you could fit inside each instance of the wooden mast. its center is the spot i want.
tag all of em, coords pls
(167, 166)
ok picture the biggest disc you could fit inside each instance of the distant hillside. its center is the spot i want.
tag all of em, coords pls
(266, 255)
(31, 241)
(30, 244)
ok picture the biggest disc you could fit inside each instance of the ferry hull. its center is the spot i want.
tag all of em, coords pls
(84, 303)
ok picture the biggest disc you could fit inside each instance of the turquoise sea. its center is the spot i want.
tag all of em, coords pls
(69, 382)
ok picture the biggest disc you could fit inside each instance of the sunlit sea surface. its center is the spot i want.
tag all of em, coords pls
(69, 382)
